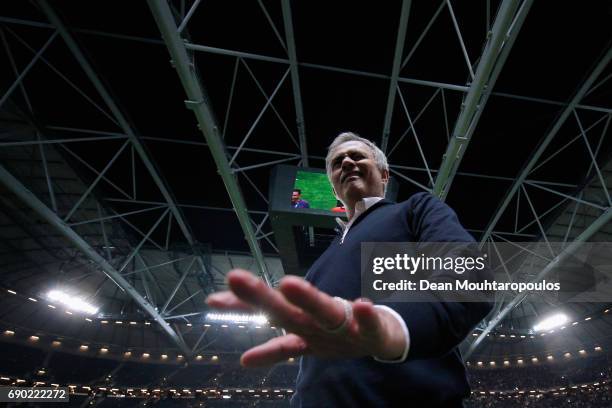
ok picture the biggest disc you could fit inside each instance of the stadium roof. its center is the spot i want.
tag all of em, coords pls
(122, 150)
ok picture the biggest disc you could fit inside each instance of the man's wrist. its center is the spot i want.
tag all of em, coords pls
(393, 354)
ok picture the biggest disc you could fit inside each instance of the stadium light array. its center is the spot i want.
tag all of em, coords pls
(236, 318)
(72, 302)
(551, 322)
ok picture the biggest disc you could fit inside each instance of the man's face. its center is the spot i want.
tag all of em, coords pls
(354, 173)
(295, 197)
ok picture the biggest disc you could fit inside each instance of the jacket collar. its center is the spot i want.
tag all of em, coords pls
(362, 208)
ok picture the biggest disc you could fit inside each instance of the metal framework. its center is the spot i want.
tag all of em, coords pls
(197, 103)
(501, 38)
(135, 274)
(113, 274)
(285, 61)
(497, 317)
(295, 80)
(596, 222)
(397, 58)
(529, 167)
(67, 227)
(135, 144)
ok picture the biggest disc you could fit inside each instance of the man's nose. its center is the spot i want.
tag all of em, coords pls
(347, 162)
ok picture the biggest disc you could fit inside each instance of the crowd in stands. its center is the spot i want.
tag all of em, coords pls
(66, 368)
(548, 384)
(596, 397)
(77, 401)
(34, 364)
(540, 383)
(16, 359)
(542, 375)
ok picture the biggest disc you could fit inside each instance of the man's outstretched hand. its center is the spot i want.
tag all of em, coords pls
(305, 312)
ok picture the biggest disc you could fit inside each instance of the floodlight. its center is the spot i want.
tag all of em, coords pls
(551, 322)
(237, 318)
(72, 302)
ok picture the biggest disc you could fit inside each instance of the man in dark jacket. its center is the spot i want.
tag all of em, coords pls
(355, 353)
(296, 199)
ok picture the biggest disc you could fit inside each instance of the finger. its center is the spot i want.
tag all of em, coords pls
(227, 300)
(273, 351)
(326, 311)
(256, 293)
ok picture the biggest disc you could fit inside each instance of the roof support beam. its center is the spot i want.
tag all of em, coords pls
(395, 70)
(565, 114)
(75, 239)
(198, 102)
(496, 50)
(295, 80)
(602, 220)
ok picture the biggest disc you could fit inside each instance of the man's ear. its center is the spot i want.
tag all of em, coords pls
(385, 176)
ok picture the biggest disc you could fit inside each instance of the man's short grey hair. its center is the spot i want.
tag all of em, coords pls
(379, 156)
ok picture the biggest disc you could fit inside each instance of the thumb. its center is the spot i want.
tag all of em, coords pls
(368, 318)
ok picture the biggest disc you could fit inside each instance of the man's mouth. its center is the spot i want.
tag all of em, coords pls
(351, 175)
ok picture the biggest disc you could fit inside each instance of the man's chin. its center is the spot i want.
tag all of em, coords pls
(355, 191)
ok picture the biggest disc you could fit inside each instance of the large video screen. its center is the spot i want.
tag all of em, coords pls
(313, 190)
(305, 224)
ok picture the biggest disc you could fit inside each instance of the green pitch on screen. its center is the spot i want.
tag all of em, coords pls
(315, 189)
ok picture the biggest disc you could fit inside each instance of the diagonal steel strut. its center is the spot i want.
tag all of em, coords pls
(497, 48)
(395, 71)
(295, 80)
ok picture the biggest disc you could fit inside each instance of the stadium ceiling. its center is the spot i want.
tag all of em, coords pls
(137, 138)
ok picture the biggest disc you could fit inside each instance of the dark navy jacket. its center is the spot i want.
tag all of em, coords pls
(433, 374)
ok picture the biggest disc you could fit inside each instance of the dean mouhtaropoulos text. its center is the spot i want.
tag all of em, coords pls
(463, 285)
